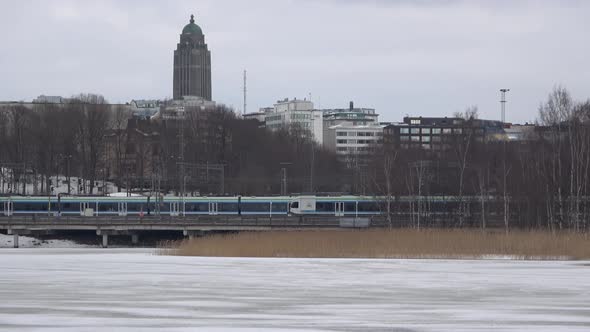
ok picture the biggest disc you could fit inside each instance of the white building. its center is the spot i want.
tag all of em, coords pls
(295, 112)
(42, 99)
(352, 131)
(353, 140)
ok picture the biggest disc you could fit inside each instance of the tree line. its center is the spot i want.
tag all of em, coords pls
(89, 139)
(541, 181)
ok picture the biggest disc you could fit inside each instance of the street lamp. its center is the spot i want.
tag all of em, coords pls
(68, 158)
(284, 177)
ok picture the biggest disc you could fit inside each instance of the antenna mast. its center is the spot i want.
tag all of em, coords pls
(245, 92)
(503, 103)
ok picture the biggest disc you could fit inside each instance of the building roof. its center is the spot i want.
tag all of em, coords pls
(192, 28)
(351, 126)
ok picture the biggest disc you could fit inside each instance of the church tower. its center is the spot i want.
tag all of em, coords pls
(192, 64)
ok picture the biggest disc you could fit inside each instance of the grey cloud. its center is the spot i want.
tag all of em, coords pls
(401, 57)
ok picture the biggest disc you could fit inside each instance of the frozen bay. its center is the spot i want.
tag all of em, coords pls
(91, 289)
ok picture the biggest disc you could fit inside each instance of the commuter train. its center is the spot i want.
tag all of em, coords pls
(188, 206)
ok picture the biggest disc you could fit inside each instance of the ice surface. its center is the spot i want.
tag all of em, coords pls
(131, 289)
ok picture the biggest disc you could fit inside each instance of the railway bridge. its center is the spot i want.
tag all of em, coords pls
(189, 226)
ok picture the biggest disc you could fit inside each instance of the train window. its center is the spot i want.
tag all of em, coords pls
(151, 207)
(165, 207)
(256, 207)
(70, 207)
(350, 207)
(227, 207)
(279, 207)
(368, 207)
(196, 207)
(107, 207)
(324, 206)
(23, 207)
(294, 205)
(135, 207)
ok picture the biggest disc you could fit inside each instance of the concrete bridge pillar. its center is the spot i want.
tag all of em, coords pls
(15, 234)
(134, 239)
(192, 234)
(105, 240)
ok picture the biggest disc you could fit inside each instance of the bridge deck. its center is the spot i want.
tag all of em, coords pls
(178, 223)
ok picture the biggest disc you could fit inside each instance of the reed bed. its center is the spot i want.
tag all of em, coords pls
(398, 243)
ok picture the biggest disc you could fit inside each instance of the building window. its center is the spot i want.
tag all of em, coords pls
(404, 130)
(415, 138)
(447, 130)
(341, 141)
(341, 133)
(415, 130)
(436, 138)
(426, 146)
(458, 131)
(436, 131)
(425, 130)
(425, 138)
(415, 121)
(404, 138)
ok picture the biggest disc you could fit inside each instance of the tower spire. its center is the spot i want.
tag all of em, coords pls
(192, 18)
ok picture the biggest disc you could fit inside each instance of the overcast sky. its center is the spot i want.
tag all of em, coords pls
(429, 58)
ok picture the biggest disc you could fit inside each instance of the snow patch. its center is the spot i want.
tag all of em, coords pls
(6, 241)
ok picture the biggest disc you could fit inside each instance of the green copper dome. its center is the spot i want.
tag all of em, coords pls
(192, 28)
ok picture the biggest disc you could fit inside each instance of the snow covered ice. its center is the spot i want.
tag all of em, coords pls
(77, 289)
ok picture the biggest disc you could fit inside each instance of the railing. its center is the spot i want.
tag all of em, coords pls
(180, 221)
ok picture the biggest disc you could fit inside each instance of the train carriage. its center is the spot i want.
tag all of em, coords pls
(187, 206)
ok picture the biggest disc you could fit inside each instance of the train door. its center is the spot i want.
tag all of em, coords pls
(339, 209)
(122, 208)
(8, 208)
(174, 209)
(85, 209)
(213, 208)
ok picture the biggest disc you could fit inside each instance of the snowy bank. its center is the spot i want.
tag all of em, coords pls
(31, 242)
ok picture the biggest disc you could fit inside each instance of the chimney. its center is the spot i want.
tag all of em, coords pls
(351, 106)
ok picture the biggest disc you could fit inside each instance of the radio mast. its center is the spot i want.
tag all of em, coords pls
(245, 92)
(503, 103)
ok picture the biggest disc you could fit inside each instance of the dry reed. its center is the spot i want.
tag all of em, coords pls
(399, 243)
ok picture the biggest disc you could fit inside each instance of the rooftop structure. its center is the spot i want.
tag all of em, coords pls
(350, 116)
(144, 108)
